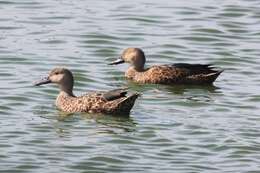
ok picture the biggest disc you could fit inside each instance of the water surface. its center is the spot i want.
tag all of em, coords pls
(171, 129)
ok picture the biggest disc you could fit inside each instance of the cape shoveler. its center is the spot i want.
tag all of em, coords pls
(108, 102)
(181, 73)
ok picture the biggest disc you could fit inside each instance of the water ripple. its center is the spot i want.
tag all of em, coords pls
(171, 128)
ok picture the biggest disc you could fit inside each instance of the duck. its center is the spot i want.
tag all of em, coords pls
(115, 102)
(170, 74)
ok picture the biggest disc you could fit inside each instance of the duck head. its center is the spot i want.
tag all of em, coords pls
(61, 76)
(133, 56)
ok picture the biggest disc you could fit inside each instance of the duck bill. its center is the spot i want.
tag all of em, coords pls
(43, 81)
(118, 61)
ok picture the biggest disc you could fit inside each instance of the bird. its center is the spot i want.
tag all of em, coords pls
(170, 74)
(115, 102)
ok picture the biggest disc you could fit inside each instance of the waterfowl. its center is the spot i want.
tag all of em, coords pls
(107, 102)
(180, 73)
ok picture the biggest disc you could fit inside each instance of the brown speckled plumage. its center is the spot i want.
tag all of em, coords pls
(110, 102)
(181, 73)
(95, 103)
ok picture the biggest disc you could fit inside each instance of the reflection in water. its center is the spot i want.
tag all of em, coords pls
(111, 121)
(172, 128)
(63, 122)
(181, 89)
(176, 89)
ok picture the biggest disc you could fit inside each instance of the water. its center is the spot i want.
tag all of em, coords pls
(170, 129)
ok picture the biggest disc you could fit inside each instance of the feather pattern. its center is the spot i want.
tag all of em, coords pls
(109, 102)
(179, 73)
(97, 102)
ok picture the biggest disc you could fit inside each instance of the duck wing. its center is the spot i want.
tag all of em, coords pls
(198, 73)
(118, 102)
(114, 94)
(194, 69)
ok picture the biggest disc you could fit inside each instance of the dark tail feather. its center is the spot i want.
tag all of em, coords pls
(126, 104)
(204, 79)
(115, 94)
(210, 78)
(195, 69)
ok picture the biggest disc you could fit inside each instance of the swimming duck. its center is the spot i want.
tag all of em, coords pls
(110, 102)
(180, 73)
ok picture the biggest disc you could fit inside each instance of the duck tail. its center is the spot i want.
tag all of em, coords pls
(211, 77)
(127, 103)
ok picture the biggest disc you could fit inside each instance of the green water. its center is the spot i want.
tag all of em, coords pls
(170, 129)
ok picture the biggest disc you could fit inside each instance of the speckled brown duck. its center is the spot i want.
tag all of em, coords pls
(180, 73)
(110, 102)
